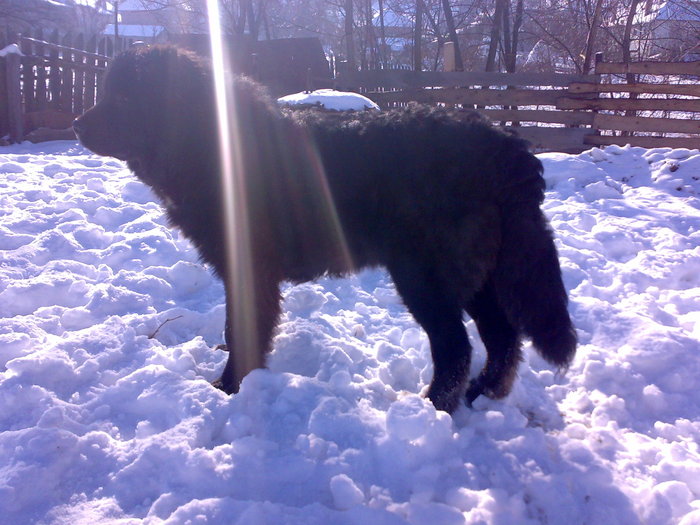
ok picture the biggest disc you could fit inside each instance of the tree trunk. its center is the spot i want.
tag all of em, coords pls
(452, 31)
(417, 37)
(350, 34)
(434, 26)
(495, 36)
(507, 43)
(627, 53)
(590, 41)
(627, 37)
(372, 44)
(382, 35)
(511, 61)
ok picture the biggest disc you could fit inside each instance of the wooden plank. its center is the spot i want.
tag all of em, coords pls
(28, 76)
(63, 62)
(67, 48)
(572, 118)
(565, 140)
(665, 125)
(644, 142)
(400, 79)
(66, 103)
(54, 75)
(51, 119)
(78, 90)
(90, 78)
(642, 104)
(649, 68)
(14, 97)
(472, 97)
(41, 87)
(666, 89)
(3, 95)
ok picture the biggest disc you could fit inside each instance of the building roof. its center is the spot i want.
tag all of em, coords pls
(135, 31)
(671, 10)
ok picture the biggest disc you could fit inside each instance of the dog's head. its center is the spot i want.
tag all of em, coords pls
(147, 93)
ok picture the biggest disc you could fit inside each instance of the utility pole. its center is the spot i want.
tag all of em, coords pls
(116, 27)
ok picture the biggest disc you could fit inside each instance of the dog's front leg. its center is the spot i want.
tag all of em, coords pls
(252, 314)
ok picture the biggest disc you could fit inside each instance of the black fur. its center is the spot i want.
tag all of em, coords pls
(447, 203)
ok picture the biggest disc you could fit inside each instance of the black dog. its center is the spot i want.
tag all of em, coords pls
(447, 203)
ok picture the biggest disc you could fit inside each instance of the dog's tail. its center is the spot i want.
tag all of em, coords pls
(527, 278)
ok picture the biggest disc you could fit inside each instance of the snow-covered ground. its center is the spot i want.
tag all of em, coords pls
(107, 321)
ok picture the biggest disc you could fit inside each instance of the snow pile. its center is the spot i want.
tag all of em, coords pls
(12, 49)
(329, 99)
(107, 322)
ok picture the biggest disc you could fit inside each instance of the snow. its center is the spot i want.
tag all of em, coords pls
(12, 49)
(108, 320)
(329, 99)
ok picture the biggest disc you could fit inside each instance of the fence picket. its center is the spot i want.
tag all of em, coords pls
(55, 73)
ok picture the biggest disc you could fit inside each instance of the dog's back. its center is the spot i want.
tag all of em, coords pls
(411, 175)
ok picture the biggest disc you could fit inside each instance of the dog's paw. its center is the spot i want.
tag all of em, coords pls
(219, 384)
(446, 400)
(479, 387)
(474, 390)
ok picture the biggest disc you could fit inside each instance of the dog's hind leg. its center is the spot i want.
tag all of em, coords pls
(435, 308)
(502, 344)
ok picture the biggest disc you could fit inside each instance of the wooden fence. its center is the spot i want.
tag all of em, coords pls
(559, 112)
(53, 82)
(49, 83)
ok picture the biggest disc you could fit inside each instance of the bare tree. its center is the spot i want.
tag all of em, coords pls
(511, 35)
(452, 31)
(25, 15)
(591, 39)
(495, 37)
(350, 33)
(382, 34)
(418, 37)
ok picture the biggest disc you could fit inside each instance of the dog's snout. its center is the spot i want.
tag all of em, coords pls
(78, 126)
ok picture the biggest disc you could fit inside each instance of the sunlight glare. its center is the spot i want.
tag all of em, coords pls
(239, 278)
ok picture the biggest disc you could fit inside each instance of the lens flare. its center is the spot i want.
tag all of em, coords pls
(301, 169)
(240, 289)
(341, 262)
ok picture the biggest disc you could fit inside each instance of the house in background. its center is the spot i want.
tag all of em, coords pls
(670, 29)
(148, 21)
(75, 16)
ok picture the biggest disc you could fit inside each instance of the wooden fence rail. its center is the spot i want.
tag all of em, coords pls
(53, 81)
(560, 112)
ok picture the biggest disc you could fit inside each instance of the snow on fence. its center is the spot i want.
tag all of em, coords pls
(647, 104)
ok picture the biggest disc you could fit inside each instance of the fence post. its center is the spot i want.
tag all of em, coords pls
(54, 74)
(14, 98)
(67, 81)
(28, 77)
(448, 50)
(40, 87)
(78, 75)
(598, 60)
(90, 75)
